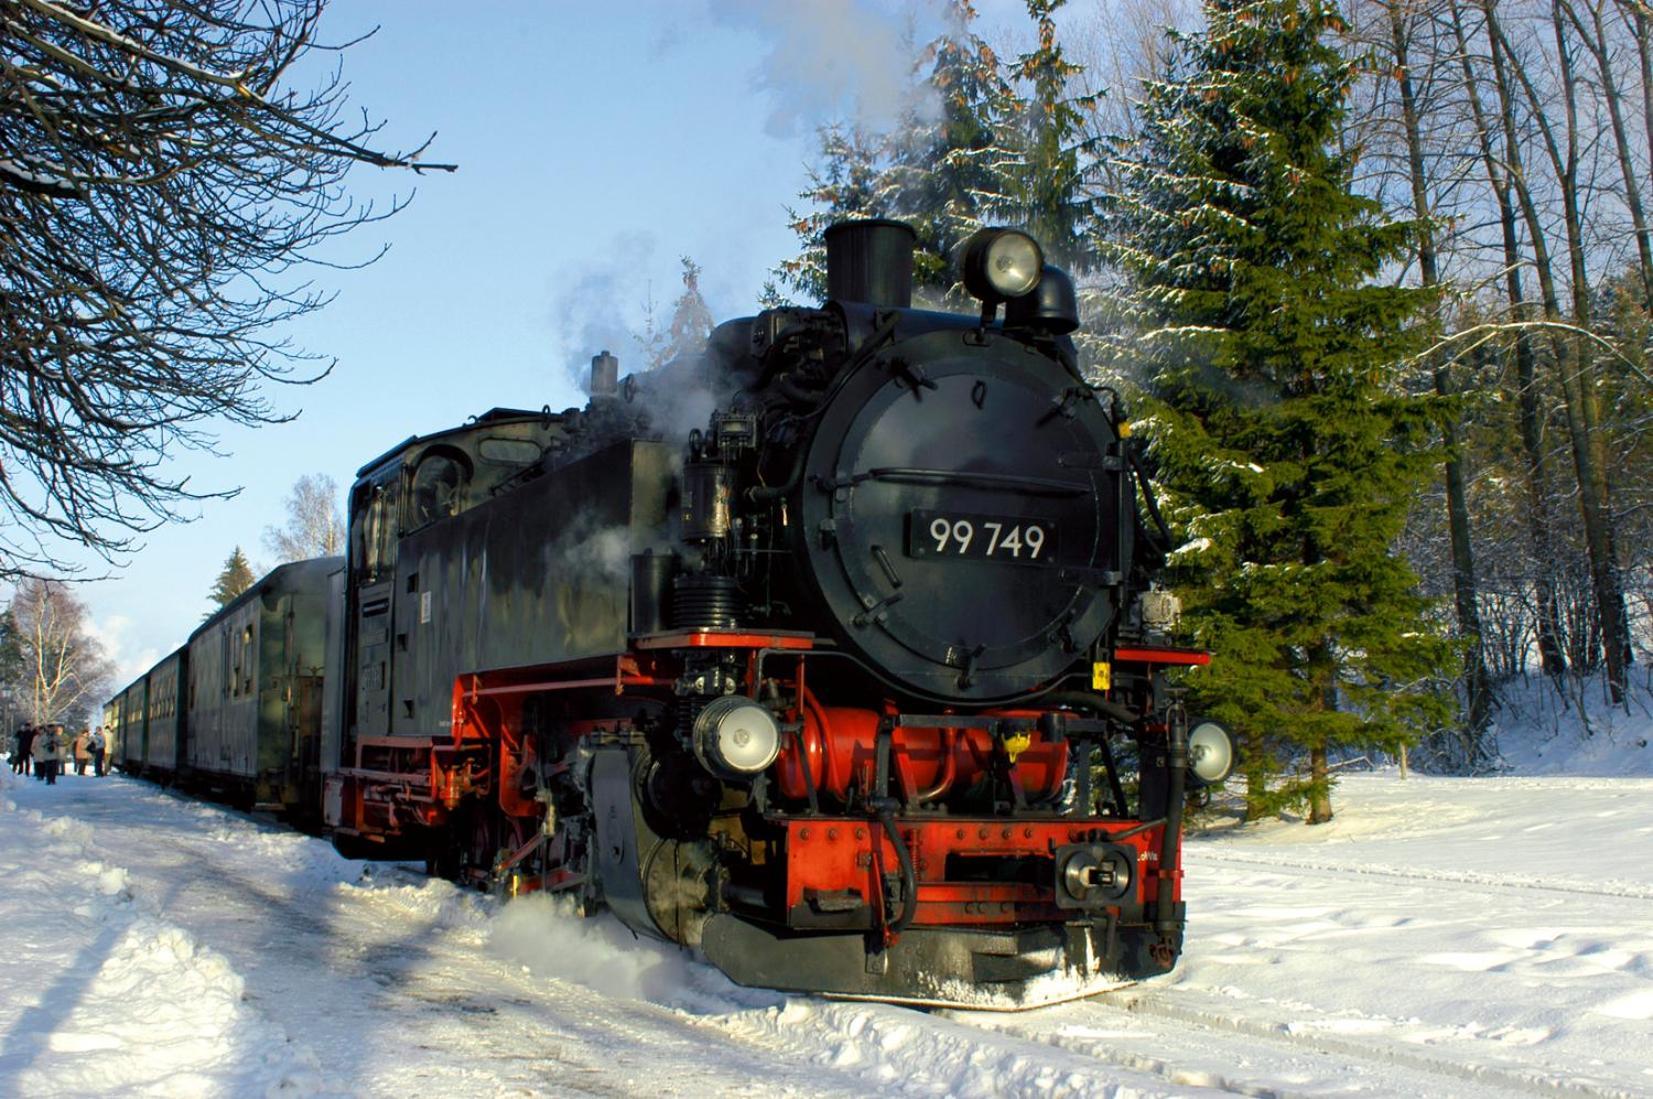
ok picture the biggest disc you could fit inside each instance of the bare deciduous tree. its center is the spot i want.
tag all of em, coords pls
(63, 668)
(314, 526)
(164, 190)
(1513, 125)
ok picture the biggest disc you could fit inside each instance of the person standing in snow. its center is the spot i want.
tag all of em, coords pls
(25, 750)
(55, 745)
(37, 753)
(81, 751)
(96, 744)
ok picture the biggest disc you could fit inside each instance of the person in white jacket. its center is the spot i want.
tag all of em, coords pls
(55, 751)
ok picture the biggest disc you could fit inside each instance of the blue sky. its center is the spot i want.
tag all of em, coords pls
(596, 144)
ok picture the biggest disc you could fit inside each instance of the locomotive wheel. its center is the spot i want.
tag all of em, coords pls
(678, 869)
(679, 877)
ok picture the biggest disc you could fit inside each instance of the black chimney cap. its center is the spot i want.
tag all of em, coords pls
(871, 260)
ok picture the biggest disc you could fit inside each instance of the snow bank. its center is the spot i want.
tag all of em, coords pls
(900, 1051)
(1468, 937)
(547, 938)
(1543, 731)
(1502, 927)
(100, 993)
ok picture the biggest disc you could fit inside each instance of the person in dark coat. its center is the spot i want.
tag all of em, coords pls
(25, 750)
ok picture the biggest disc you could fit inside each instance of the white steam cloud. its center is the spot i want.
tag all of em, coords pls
(828, 60)
(590, 307)
(542, 934)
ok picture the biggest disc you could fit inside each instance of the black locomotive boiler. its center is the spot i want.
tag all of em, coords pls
(832, 652)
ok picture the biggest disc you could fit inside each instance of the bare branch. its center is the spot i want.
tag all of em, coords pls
(163, 189)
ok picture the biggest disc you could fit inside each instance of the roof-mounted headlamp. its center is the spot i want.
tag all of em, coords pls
(1001, 265)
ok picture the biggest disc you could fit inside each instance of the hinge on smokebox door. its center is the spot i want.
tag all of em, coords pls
(876, 608)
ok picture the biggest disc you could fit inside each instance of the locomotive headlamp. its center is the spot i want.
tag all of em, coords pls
(1210, 753)
(734, 737)
(1001, 264)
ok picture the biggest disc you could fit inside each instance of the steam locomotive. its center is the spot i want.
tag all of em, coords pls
(833, 652)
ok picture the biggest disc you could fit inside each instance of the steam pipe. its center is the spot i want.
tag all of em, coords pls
(1085, 700)
(909, 880)
(949, 770)
(1148, 497)
(764, 494)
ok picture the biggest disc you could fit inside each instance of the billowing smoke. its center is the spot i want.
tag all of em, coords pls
(679, 405)
(589, 314)
(829, 60)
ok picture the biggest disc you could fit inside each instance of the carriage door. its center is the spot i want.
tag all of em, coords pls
(377, 514)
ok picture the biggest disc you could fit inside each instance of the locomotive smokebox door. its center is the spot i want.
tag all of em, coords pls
(951, 466)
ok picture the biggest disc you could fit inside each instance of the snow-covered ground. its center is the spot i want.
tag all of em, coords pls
(1441, 937)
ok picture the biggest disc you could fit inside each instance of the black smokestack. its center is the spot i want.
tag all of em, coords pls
(605, 375)
(871, 261)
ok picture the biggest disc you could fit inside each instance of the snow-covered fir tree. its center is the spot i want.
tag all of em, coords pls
(1286, 448)
(947, 175)
(843, 183)
(942, 169)
(686, 330)
(1045, 186)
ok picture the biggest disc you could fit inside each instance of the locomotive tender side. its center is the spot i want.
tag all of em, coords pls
(825, 652)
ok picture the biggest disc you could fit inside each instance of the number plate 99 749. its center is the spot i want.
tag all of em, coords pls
(952, 534)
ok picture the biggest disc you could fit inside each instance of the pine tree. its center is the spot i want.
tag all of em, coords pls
(236, 578)
(691, 322)
(1045, 187)
(947, 175)
(1287, 449)
(942, 169)
(843, 184)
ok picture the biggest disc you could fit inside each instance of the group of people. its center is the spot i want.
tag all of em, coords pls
(42, 750)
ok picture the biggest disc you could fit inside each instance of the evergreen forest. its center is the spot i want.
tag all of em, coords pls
(1375, 279)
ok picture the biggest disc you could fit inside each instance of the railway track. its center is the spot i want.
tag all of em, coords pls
(1195, 1040)
(1416, 875)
